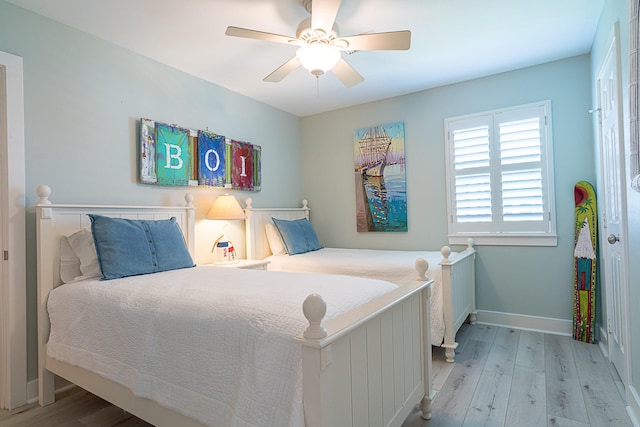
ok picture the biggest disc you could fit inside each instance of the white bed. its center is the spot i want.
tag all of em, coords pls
(453, 273)
(366, 362)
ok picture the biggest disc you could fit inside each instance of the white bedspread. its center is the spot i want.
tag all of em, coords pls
(211, 342)
(394, 266)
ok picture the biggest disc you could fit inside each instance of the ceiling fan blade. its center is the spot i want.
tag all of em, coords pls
(259, 35)
(346, 74)
(323, 14)
(283, 71)
(395, 40)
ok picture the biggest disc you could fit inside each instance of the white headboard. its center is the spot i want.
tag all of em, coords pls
(56, 220)
(257, 244)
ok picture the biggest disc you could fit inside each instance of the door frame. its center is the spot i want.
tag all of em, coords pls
(613, 48)
(13, 299)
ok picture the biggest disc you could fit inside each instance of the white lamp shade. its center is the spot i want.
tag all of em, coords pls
(318, 57)
(226, 207)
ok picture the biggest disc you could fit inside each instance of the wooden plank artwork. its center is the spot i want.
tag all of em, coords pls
(176, 156)
(584, 281)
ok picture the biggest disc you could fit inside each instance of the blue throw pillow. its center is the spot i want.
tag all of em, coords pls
(128, 247)
(298, 235)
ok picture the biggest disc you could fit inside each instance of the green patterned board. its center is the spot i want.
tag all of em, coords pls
(586, 235)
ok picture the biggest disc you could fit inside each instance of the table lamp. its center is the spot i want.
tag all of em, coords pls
(225, 208)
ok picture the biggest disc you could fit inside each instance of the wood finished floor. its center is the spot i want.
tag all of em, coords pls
(502, 377)
(506, 377)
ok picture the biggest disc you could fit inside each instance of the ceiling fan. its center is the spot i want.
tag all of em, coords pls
(320, 45)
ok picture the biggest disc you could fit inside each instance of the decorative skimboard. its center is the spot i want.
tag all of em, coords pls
(586, 235)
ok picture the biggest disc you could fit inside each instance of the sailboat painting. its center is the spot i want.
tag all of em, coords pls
(380, 178)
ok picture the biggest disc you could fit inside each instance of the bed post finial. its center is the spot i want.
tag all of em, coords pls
(248, 202)
(43, 191)
(422, 265)
(314, 309)
(470, 243)
(188, 198)
(445, 251)
(305, 204)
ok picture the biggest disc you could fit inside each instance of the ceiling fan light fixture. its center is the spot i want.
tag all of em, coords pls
(318, 58)
(320, 46)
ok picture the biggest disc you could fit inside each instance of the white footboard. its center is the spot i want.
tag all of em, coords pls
(459, 294)
(373, 366)
(371, 369)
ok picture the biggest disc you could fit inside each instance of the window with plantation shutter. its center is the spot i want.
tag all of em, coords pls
(500, 177)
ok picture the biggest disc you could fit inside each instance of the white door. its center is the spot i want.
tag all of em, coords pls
(611, 199)
(13, 300)
(3, 101)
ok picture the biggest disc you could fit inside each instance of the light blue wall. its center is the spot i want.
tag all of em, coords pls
(528, 281)
(84, 97)
(83, 100)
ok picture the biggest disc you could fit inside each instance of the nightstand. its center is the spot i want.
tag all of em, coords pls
(249, 264)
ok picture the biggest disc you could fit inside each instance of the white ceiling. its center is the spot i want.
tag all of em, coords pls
(451, 41)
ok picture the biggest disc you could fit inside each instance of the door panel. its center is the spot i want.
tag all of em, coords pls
(611, 196)
(13, 306)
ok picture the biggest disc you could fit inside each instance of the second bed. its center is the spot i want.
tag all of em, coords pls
(453, 273)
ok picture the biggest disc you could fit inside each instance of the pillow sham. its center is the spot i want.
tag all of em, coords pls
(298, 235)
(128, 247)
(275, 241)
(78, 258)
(84, 248)
(69, 262)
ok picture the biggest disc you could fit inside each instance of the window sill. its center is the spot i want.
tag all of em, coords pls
(505, 240)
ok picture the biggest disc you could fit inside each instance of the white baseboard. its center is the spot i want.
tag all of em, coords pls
(633, 416)
(530, 323)
(633, 407)
(32, 388)
(603, 342)
(32, 391)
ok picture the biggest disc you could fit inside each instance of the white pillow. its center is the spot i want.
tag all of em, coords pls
(275, 240)
(69, 262)
(84, 248)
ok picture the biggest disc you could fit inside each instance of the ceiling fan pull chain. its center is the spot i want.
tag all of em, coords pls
(317, 87)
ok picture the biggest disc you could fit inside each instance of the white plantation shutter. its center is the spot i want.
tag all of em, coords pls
(500, 175)
(522, 196)
(473, 198)
(473, 183)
